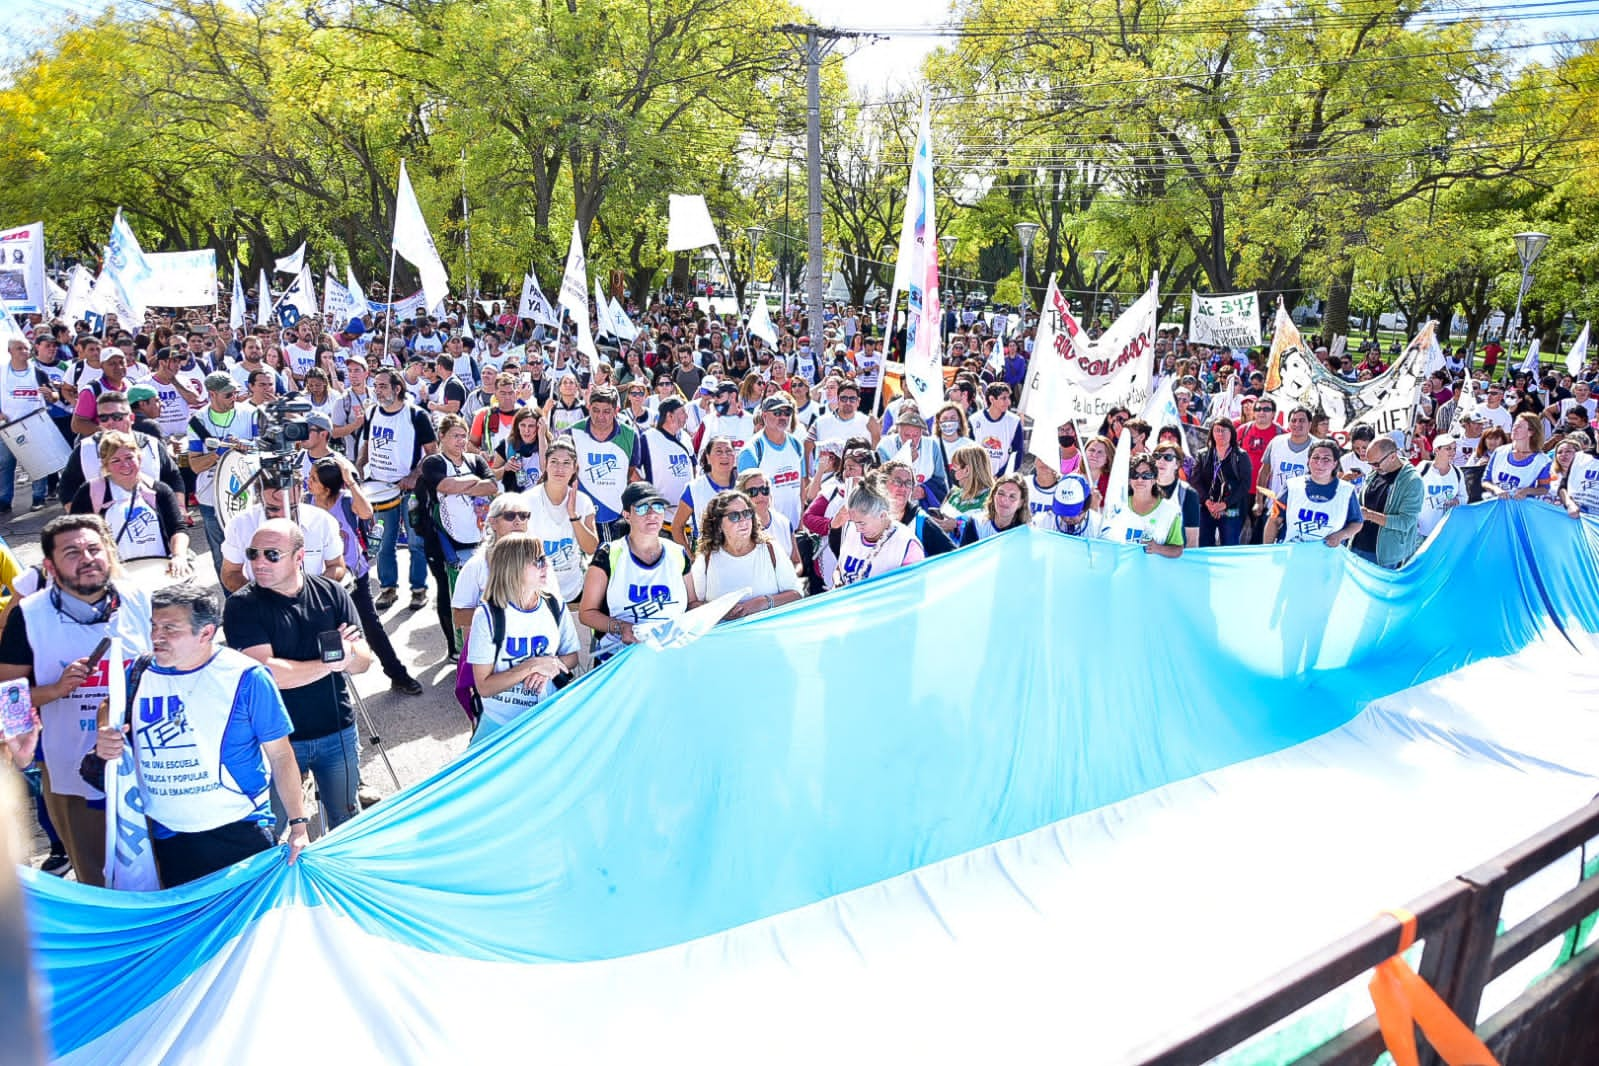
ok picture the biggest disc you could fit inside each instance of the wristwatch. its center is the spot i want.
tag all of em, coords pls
(616, 628)
(299, 821)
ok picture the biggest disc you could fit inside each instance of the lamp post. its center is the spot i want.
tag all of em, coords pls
(1529, 246)
(888, 257)
(754, 233)
(1025, 232)
(1100, 255)
(947, 243)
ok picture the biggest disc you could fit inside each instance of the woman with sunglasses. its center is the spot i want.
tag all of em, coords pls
(522, 638)
(563, 518)
(1006, 509)
(1168, 465)
(1318, 505)
(1147, 518)
(642, 577)
(733, 554)
(896, 479)
(509, 512)
(768, 520)
(335, 489)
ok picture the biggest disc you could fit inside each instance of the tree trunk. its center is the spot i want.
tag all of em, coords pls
(1336, 320)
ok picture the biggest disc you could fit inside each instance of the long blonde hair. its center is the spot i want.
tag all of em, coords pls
(975, 458)
(509, 559)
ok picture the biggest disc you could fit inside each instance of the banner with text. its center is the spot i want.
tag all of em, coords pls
(182, 279)
(1225, 320)
(22, 288)
(1081, 380)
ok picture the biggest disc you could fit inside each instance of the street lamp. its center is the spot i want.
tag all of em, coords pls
(1100, 255)
(1025, 232)
(947, 243)
(1528, 247)
(754, 233)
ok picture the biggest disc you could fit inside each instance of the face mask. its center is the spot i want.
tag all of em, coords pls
(721, 408)
(949, 429)
(1067, 440)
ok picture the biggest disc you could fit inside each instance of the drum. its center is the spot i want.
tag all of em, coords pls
(151, 574)
(37, 444)
(380, 494)
(236, 484)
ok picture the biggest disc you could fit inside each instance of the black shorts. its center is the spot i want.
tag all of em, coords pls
(190, 856)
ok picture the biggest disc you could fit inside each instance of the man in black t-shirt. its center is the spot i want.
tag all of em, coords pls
(280, 620)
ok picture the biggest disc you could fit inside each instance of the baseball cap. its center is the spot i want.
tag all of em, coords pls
(217, 381)
(777, 403)
(1071, 498)
(321, 422)
(1443, 440)
(140, 393)
(707, 384)
(640, 492)
(726, 386)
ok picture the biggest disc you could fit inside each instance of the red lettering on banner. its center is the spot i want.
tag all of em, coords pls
(1106, 367)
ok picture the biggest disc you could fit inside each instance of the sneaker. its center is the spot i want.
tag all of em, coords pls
(419, 598)
(367, 796)
(57, 863)
(41, 505)
(406, 686)
(386, 597)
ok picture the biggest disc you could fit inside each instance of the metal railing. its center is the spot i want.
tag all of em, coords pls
(1457, 923)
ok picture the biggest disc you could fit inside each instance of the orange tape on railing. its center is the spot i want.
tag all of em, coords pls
(1404, 1001)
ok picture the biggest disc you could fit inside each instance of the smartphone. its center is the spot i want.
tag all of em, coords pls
(331, 645)
(99, 652)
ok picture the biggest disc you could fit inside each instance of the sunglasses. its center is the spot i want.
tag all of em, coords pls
(644, 509)
(115, 416)
(515, 516)
(1143, 475)
(273, 555)
(784, 411)
(848, 397)
(764, 490)
(739, 517)
(1167, 455)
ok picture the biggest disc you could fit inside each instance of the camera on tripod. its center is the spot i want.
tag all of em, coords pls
(283, 427)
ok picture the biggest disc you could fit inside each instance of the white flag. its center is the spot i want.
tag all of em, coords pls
(292, 264)
(688, 224)
(585, 337)
(574, 294)
(263, 301)
(602, 312)
(79, 284)
(924, 376)
(129, 858)
(105, 298)
(128, 272)
(534, 306)
(1529, 365)
(357, 294)
(761, 322)
(1120, 469)
(1579, 352)
(1049, 395)
(625, 329)
(9, 330)
(413, 241)
(337, 304)
(1161, 411)
(236, 305)
(298, 300)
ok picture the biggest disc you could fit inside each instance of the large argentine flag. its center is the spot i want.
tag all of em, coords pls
(918, 841)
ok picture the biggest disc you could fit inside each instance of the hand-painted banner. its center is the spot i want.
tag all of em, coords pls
(1386, 403)
(22, 289)
(1225, 320)
(182, 279)
(1073, 379)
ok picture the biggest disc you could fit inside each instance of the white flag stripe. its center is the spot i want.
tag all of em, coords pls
(413, 242)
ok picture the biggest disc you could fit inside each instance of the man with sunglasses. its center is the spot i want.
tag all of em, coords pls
(113, 411)
(322, 545)
(777, 453)
(843, 421)
(306, 632)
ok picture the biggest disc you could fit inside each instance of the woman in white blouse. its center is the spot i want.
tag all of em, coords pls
(734, 554)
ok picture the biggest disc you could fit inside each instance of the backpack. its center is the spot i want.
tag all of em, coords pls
(466, 685)
(363, 526)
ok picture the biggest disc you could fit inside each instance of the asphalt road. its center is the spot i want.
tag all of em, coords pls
(419, 734)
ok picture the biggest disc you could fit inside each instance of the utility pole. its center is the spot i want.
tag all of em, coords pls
(815, 43)
(466, 227)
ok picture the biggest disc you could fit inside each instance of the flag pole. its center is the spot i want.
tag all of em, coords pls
(388, 317)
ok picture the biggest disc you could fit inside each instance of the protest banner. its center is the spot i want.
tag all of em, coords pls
(1224, 320)
(22, 288)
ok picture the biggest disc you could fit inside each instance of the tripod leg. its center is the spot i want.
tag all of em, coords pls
(376, 741)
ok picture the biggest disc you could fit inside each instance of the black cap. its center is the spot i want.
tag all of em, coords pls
(640, 492)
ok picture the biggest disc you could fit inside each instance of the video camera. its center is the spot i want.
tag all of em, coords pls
(284, 427)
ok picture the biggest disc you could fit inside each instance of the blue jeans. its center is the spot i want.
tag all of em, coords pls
(8, 480)
(388, 565)
(1225, 531)
(335, 763)
(213, 534)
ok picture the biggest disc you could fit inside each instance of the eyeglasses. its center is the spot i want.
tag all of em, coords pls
(273, 555)
(1143, 475)
(784, 411)
(902, 482)
(848, 397)
(763, 490)
(515, 516)
(115, 416)
(643, 510)
(739, 517)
